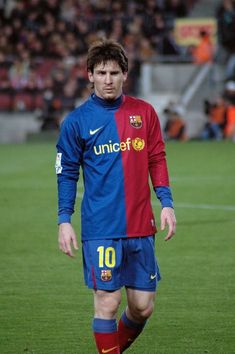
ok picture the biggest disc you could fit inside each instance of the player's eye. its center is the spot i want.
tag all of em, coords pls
(101, 72)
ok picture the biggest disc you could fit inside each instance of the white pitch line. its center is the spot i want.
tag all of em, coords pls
(201, 206)
(203, 179)
(205, 206)
(189, 205)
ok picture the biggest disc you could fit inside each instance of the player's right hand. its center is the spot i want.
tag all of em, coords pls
(67, 239)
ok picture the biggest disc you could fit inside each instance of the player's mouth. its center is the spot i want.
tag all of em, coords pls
(109, 89)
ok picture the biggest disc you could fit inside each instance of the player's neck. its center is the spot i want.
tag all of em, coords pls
(108, 103)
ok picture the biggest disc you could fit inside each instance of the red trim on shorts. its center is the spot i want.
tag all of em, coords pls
(93, 277)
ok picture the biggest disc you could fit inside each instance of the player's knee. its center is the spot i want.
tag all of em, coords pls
(142, 311)
(147, 312)
(106, 304)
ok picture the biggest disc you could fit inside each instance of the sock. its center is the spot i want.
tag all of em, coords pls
(128, 331)
(106, 336)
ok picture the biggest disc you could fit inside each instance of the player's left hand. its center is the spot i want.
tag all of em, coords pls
(168, 218)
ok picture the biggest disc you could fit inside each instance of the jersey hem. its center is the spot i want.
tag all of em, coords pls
(84, 238)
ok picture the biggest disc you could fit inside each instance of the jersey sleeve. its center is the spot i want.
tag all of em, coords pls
(156, 153)
(165, 196)
(68, 161)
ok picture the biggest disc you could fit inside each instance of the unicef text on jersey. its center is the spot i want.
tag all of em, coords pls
(137, 144)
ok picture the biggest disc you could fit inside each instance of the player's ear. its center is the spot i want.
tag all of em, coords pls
(90, 76)
(125, 76)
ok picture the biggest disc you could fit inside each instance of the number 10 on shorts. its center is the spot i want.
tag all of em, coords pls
(107, 256)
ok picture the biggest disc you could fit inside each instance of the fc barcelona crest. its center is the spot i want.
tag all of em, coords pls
(106, 274)
(136, 121)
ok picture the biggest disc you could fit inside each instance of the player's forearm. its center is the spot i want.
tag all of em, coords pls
(165, 196)
(67, 189)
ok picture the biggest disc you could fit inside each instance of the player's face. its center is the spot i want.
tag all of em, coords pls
(108, 80)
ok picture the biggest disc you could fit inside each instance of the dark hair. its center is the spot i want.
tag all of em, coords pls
(104, 50)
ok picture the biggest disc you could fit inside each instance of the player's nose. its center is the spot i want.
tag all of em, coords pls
(108, 78)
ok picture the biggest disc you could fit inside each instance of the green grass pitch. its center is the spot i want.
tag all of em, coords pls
(44, 306)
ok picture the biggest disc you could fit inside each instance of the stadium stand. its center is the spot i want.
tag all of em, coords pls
(43, 43)
(43, 47)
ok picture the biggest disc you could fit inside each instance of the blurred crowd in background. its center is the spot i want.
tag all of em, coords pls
(43, 46)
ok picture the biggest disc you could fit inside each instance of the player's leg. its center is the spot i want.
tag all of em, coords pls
(141, 276)
(106, 304)
(140, 305)
(139, 309)
(132, 322)
(102, 262)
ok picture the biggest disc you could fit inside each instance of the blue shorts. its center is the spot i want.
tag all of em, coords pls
(113, 263)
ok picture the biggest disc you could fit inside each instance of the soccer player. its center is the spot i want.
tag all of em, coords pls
(117, 141)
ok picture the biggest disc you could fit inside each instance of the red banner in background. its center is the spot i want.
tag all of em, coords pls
(187, 31)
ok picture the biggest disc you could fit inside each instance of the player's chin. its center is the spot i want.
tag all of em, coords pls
(109, 96)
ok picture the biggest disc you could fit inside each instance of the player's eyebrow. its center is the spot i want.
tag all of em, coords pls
(112, 72)
(101, 71)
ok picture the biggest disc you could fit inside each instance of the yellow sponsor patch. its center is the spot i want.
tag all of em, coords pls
(138, 144)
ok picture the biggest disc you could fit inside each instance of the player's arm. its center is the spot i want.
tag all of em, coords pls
(167, 214)
(159, 174)
(69, 153)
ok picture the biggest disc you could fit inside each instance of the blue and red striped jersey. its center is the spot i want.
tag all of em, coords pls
(119, 145)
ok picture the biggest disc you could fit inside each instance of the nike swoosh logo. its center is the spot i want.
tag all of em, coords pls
(153, 276)
(92, 132)
(108, 350)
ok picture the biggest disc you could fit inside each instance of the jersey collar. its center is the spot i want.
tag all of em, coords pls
(115, 104)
